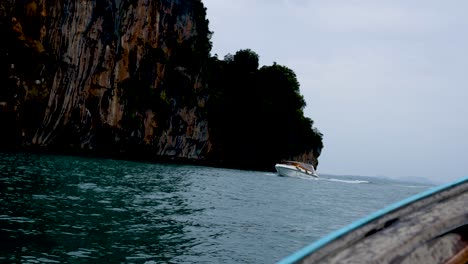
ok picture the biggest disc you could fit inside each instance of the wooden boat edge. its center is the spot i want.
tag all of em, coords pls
(393, 208)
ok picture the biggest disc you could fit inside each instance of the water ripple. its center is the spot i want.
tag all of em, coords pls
(84, 210)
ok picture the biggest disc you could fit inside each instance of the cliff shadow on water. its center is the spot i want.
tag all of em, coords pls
(136, 79)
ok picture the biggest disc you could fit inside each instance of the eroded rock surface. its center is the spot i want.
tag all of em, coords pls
(124, 76)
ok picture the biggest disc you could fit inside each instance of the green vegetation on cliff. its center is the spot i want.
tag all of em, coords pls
(256, 114)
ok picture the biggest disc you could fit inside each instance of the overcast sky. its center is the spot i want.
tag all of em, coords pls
(386, 82)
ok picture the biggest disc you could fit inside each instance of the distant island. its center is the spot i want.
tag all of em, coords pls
(137, 79)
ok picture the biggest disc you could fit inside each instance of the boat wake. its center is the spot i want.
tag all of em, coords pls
(303, 177)
(327, 179)
(344, 181)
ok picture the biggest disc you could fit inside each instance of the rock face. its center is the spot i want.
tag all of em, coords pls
(111, 75)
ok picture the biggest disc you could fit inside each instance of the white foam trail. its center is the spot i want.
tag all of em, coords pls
(345, 181)
(310, 178)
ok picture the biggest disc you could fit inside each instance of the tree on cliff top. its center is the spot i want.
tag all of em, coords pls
(256, 115)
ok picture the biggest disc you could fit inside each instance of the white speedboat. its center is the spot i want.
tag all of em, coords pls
(295, 169)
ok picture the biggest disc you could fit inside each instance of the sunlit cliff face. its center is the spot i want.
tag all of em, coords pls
(108, 74)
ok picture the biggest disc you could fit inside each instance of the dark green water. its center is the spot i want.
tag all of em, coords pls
(61, 209)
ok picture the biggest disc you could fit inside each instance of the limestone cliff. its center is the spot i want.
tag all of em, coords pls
(112, 75)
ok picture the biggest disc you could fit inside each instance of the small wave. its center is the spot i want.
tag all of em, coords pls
(91, 186)
(412, 186)
(345, 181)
(81, 253)
(310, 178)
(19, 219)
(87, 186)
(116, 209)
(42, 197)
(32, 259)
(140, 256)
(74, 198)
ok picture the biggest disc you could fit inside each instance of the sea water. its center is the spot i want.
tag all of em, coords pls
(66, 209)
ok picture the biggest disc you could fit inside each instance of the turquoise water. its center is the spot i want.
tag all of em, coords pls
(63, 209)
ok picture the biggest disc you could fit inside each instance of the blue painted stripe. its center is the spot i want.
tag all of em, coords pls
(359, 223)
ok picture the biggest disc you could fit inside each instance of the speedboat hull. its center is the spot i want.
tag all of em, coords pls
(288, 170)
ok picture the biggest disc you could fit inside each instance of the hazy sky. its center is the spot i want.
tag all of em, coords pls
(386, 82)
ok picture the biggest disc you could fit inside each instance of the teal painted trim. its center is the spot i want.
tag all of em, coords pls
(297, 256)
